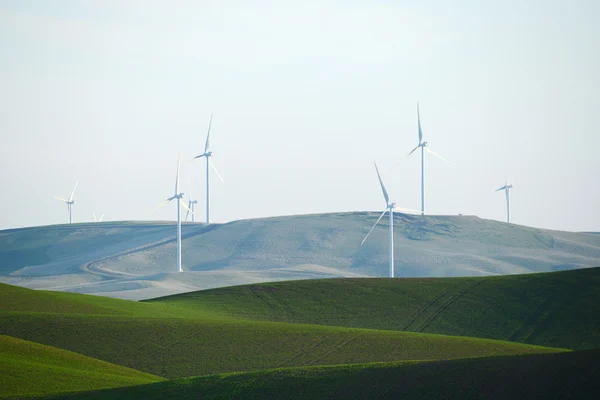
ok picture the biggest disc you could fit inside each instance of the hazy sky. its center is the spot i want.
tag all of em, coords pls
(306, 94)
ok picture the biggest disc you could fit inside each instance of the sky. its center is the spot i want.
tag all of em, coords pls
(305, 96)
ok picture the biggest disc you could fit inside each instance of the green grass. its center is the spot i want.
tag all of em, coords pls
(32, 369)
(559, 309)
(176, 341)
(180, 347)
(540, 376)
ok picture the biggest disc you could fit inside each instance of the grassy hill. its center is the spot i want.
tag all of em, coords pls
(31, 369)
(174, 341)
(560, 309)
(314, 324)
(136, 260)
(572, 375)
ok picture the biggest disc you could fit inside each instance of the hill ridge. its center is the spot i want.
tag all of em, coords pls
(136, 260)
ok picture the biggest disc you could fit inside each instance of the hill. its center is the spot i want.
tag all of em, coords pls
(559, 309)
(173, 341)
(31, 369)
(541, 376)
(135, 260)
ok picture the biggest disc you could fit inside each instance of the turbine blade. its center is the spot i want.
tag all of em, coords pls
(162, 204)
(95, 219)
(73, 192)
(419, 122)
(208, 135)
(186, 215)
(215, 169)
(61, 199)
(378, 219)
(101, 217)
(385, 194)
(502, 188)
(177, 179)
(406, 156)
(412, 151)
(187, 208)
(395, 165)
(435, 154)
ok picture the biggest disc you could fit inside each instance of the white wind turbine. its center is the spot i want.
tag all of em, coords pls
(96, 219)
(207, 153)
(506, 188)
(389, 207)
(424, 148)
(191, 207)
(177, 196)
(69, 202)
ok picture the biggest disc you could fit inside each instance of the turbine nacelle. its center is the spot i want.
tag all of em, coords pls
(207, 154)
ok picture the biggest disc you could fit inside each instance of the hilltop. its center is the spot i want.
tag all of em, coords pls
(135, 260)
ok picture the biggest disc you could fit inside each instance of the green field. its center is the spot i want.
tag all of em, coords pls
(32, 369)
(558, 309)
(175, 341)
(311, 324)
(541, 376)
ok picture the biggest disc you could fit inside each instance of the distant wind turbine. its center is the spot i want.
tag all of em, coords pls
(177, 196)
(69, 202)
(424, 147)
(207, 153)
(97, 219)
(506, 188)
(389, 207)
(191, 207)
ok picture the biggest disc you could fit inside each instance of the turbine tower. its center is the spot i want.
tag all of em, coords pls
(506, 188)
(69, 202)
(207, 153)
(388, 207)
(177, 196)
(423, 145)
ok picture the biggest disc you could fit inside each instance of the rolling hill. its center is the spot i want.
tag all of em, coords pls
(558, 309)
(174, 341)
(538, 376)
(313, 339)
(135, 260)
(30, 369)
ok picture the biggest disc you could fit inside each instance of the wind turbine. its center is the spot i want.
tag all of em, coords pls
(177, 196)
(506, 188)
(388, 207)
(424, 147)
(69, 202)
(191, 208)
(207, 153)
(97, 219)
